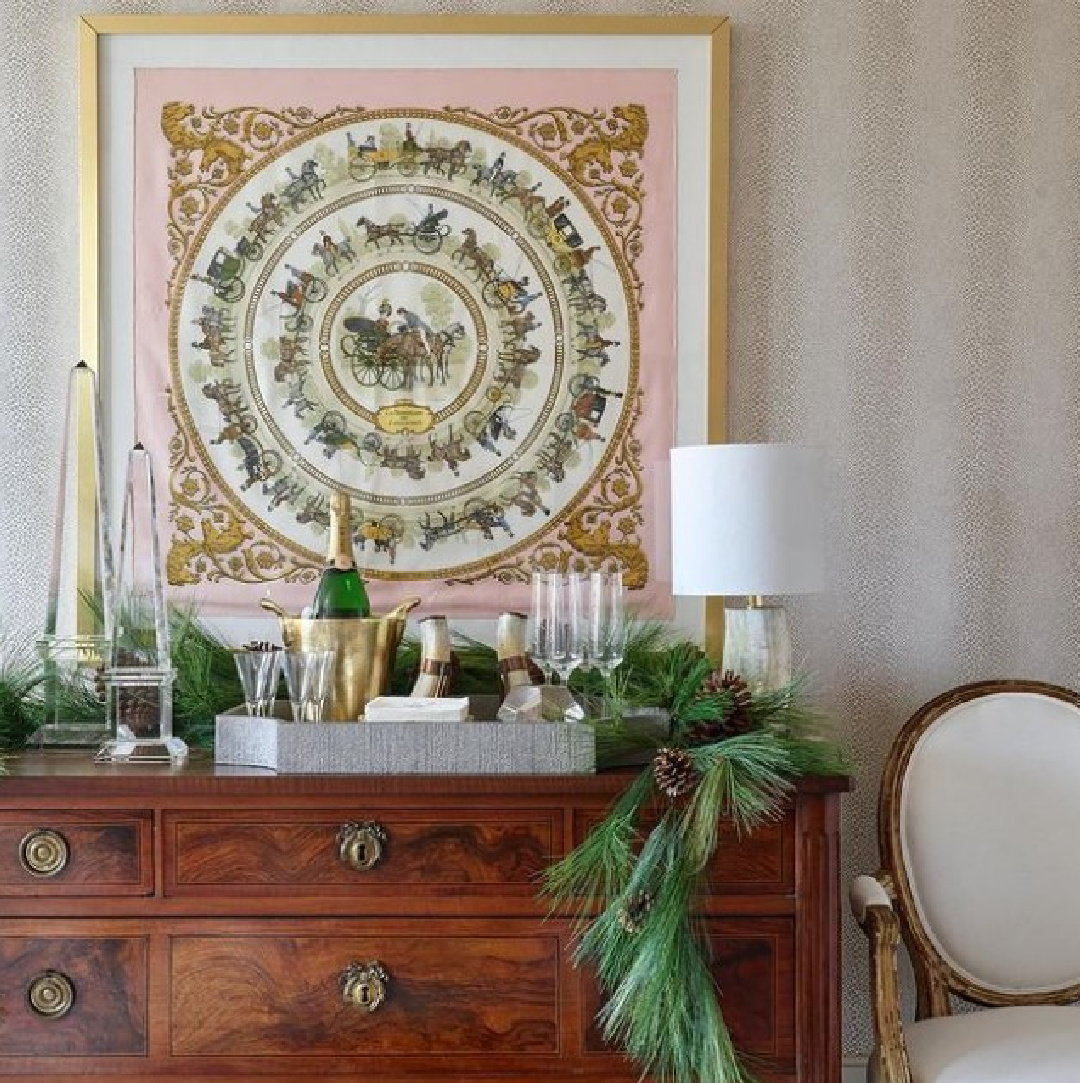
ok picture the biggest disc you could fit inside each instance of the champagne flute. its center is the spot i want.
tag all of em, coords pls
(540, 624)
(566, 615)
(258, 671)
(607, 630)
(308, 679)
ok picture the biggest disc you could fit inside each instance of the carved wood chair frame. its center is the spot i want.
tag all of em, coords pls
(884, 905)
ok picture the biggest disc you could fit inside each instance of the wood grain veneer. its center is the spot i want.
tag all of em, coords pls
(206, 918)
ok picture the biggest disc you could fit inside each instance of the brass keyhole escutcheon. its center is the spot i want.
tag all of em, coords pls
(360, 846)
(51, 994)
(44, 852)
(363, 986)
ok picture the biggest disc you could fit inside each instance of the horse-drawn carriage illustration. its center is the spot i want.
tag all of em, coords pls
(504, 291)
(589, 402)
(397, 357)
(368, 158)
(407, 158)
(555, 454)
(269, 216)
(523, 492)
(575, 259)
(236, 415)
(223, 275)
(477, 514)
(302, 185)
(431, 231)
(452, 451)
(551, 224)
(427, 234)
(217, 336)
(301, 289)
(384, 533)
(333, 433)
(258, 463)
(489, 429)
(389, 456)
(566, 233)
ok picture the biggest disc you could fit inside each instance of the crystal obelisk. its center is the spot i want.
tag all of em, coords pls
(139, 678)
(74, 646)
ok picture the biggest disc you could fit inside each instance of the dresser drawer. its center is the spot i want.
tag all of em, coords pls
(752, 964)
(296, 995)
(761, 862)
(423, 850)
(75, 853)
(72, 996)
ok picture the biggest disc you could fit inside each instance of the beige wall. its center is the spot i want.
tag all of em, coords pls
(905, 293)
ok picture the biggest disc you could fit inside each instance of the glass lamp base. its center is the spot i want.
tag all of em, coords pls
(757, 646)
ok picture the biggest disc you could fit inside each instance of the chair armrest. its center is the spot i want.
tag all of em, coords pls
(873, 909)
(866, 891)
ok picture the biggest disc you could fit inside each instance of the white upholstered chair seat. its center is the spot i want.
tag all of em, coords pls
(1038, 1044)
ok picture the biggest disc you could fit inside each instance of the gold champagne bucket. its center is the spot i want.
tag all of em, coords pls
(364, 653)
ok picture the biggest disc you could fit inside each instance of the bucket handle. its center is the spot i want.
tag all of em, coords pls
(399, 612)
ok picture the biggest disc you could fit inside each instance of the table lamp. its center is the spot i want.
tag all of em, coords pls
(746, 521)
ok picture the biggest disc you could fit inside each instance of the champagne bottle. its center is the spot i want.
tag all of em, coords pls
(510, 640)
(341, 594)
(436, 663)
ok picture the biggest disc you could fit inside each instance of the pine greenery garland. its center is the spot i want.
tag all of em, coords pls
(22, 709)
(206, 679)
(631, 895)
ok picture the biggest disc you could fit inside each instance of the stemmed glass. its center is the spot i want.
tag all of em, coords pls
(539, 624)
(307, 677)
(258, 669)
(605, 639)
(567, 624)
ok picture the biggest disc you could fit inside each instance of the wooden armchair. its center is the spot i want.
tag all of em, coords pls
(978, 824)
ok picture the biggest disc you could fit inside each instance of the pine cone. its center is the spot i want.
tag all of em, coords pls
(675, 772)
(737, 719)
(632, 916)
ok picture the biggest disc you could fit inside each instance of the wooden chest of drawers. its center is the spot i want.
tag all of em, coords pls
(222, 925)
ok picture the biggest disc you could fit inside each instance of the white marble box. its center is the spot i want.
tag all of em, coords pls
(405, 747)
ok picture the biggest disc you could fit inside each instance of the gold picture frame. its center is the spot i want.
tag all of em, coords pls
(111, 46)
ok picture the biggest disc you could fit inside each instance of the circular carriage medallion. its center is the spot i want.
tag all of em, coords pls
(419, 310)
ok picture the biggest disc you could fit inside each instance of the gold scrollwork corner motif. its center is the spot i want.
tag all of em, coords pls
(210, 541)
(605, 531)
(608, 530)
(210, 151)
(601, 150)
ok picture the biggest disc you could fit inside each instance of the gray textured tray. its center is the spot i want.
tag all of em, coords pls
(405, 748)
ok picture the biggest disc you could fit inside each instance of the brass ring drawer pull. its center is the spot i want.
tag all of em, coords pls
(364, 986)
(51, 994)
(360, 846)
(44, 852)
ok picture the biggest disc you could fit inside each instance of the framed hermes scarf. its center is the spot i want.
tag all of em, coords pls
(470, 270)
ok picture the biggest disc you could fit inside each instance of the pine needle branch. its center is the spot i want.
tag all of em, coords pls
(599, 869)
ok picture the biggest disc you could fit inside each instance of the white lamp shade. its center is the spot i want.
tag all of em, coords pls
(746, 519)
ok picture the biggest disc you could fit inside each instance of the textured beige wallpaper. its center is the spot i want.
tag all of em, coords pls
(904, 293)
